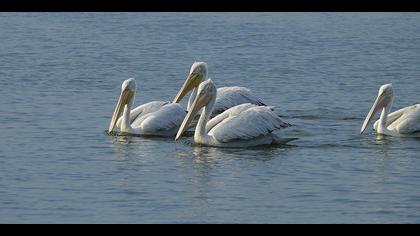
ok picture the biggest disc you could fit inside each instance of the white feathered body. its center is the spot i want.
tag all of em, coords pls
(404, 122)
(242, 126)
(156, 118)
(228, 97)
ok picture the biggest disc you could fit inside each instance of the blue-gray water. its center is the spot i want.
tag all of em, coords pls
(60, 75)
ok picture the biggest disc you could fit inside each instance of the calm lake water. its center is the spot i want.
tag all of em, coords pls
(60, 77)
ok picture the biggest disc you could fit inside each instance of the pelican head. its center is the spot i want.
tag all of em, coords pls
(384, 99)
(128, 90)
(197, 74)
(206, 95)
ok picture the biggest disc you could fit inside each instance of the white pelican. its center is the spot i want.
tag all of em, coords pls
(402, 123)
(227, 97)
(154, 118)
(245, 125)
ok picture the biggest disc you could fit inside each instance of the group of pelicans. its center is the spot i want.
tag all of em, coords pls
(233, 116)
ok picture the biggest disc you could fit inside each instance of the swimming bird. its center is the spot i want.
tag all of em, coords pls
(244, 125)
(227, 97)
(157, 118)
(401, 123)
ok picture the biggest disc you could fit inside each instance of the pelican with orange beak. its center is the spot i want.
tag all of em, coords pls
(402, 123)
(156, 118)
(245, 125)
(227, 97)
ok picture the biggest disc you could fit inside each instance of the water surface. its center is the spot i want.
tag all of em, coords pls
(60, 75)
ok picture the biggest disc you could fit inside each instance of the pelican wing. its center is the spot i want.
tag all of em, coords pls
(409, 121)
(392, 117)
(228, 97)
(231, 112)
(169, 117)
(249, 124)
(143, 110)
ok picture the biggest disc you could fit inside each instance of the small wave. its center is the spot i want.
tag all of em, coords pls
(320, 114)
(322, 117)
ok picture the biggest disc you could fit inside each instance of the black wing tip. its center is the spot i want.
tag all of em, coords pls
(261, 104)
(286, 125)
